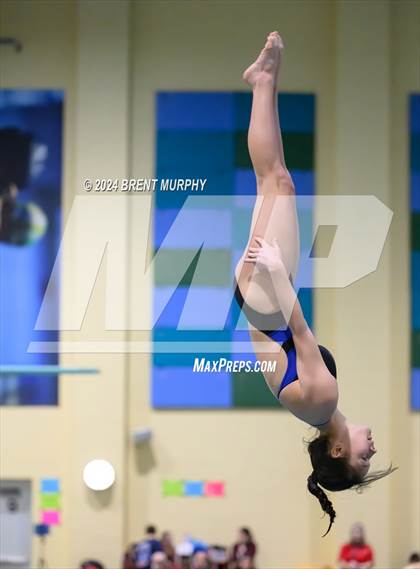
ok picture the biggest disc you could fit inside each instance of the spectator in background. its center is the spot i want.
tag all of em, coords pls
(168, 546)
(200, 560)
(244, 548)
(129, 561)
(218, 557)
(413, 561)
(184, 562)
(246, 563)
(146, 548)
(159, 560)
(356, 554)
(91, 564)
(184, 551)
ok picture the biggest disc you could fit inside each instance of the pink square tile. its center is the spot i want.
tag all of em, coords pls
(214, 489)
(51, 518)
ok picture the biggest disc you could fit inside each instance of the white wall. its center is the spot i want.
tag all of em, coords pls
(361, 60)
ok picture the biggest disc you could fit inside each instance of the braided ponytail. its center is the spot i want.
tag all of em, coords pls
(319, 493)
(335, 474)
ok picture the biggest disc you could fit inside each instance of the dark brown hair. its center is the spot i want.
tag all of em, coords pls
(334, 474)
(247, 532)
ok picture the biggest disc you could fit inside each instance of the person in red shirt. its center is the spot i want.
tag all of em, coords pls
(357, 554)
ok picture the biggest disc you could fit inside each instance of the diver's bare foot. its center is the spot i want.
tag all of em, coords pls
(268, 62)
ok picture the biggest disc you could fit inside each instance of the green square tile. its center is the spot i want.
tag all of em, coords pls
(415, 231)
(241, 155)
(415, 348)
(214, 267)
(415, 151)
(250, 390)
(50, 501)
(172, 488)
(299, 150)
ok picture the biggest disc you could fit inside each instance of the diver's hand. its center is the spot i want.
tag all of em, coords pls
(266, 257)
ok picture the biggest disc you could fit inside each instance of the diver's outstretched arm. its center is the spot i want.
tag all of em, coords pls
(314, 377)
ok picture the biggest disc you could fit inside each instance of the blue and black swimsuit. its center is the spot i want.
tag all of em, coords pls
(274, 326)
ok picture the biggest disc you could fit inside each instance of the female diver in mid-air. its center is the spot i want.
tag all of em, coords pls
(305, 376)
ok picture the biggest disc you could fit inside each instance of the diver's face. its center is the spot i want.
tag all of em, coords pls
(362, 448)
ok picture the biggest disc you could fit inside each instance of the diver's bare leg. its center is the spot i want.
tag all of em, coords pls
(274, 213)
(264, 137)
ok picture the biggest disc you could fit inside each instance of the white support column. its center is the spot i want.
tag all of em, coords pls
(405, 424)
(363, 310)
(96, 406)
